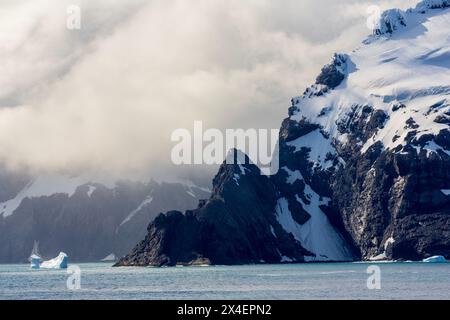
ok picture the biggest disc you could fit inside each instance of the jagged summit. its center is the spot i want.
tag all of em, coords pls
(235, 226)
(395, 19)
(334, 73)
(406, 78)
(390, 21)
(330, 77)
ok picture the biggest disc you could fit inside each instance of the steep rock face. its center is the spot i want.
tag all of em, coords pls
(307, 161)
(235, 226)
(392, 204)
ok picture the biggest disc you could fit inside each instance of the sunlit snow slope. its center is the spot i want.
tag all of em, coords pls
(389, 97)
(406, 73)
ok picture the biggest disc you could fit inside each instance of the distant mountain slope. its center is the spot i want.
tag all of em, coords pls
(365, 164)
(87, 220)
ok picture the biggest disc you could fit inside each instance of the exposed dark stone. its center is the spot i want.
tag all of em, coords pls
(362, 122)
(384, 194)
(332, 74)
(422, 140)
(442, 119)
(236, 226)
(292, 130)
(324, 112)
(435, 107)
(443, 139)
(297, 211)
(293, 110)
(411, 124)
(316, 90)
(398, 106)
(202, 203)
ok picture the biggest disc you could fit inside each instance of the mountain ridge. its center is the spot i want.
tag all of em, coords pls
(88, 218)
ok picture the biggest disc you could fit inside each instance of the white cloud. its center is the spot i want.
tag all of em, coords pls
(108, 97)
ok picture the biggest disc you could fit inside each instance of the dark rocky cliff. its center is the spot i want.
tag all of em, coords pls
(235, 226)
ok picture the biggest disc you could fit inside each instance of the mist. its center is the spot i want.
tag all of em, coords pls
(108, 96)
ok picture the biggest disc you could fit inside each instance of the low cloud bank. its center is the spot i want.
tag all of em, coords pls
(107, 97)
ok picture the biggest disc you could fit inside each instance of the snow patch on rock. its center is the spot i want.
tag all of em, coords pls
(383, 256)
(293, 176)
(317, 235)
(147, 201)
(319, 148)
(91, 190)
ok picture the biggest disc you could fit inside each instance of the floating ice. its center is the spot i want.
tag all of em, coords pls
(35, 261)
(435, 259)
(60, 262)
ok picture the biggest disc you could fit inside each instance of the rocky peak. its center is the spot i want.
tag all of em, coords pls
(390, 21)
(330, 77)
(334, 73)
(394, 19)
(236, 225)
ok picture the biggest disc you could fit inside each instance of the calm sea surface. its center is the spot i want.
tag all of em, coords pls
(303, 281)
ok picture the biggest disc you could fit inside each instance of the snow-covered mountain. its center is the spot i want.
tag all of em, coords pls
(88, 217)
(364, 158)
(386, 120)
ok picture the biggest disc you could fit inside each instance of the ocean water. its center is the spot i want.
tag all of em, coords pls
(296, 281)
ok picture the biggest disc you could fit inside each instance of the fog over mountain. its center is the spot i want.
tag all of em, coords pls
(107, 97)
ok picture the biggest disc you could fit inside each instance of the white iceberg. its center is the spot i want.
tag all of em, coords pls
(435, 259)
(60, 262)
(35, 261)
